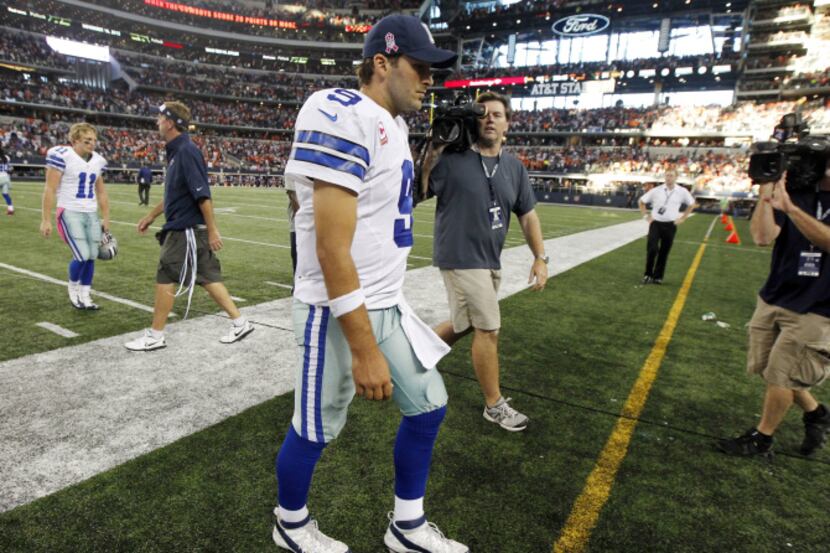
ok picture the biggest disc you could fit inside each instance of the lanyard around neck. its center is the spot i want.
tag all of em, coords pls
(490, 175)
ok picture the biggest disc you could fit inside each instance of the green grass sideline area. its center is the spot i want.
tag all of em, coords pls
(569, 358)
(253, 224)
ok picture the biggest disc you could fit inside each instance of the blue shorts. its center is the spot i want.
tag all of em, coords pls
(325, 386)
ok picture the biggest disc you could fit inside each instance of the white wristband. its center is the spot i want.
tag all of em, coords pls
(347, 302)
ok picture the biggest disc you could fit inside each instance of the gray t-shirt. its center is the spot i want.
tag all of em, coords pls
(464, 237)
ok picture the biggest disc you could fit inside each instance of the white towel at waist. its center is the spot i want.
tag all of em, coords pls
(428, 347)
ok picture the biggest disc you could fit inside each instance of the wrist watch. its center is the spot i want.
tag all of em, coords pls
(544, 258)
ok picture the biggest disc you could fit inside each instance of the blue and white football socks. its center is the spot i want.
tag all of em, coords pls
(294, 467)
(413, 456)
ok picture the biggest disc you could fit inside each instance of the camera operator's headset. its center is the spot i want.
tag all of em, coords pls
(181, 124)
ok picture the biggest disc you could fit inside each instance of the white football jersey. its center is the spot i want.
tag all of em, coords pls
(76, 191)
(345, 138)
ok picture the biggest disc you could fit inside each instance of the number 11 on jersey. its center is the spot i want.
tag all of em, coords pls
(82, 183)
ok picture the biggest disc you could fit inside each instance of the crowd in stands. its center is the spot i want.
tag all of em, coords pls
(305, 24)
(590, 68)
(253, 97)
(747, 118)
(790, 12)
(708, 169)
(145, 103)
(220, 81)
(193, 46)
(28, 140)
(780, 37)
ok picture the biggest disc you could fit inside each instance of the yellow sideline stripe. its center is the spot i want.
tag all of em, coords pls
(585, 512)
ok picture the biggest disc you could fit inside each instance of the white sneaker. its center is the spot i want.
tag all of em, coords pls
(425, 537)
(505, 416)
(87, 303)
(146, 343)
(236, 333)
(75, 295)
(305, 537)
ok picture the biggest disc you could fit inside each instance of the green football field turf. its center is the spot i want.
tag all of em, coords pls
(569, 358)
(255, 231)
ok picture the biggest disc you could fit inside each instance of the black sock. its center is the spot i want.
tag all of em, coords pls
(765, 438)
(818, 413)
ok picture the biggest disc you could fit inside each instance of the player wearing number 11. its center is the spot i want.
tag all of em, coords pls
(74, 175)
(352, 170)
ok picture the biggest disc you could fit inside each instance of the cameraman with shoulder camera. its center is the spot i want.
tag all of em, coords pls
(789, 334)
(477, 188)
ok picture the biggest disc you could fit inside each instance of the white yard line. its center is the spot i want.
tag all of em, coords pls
(71, 413)
(280, 285)
(47, 278)
(59, 330)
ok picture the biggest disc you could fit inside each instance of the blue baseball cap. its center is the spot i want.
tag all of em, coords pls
(406, 34)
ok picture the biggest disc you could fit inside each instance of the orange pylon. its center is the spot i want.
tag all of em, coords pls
(729, 227)
(733, 238)
(723, 218)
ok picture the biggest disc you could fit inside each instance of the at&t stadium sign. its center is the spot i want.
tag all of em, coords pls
(581, 24)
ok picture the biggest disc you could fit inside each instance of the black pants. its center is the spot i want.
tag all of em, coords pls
(660, 239)
(144, 194)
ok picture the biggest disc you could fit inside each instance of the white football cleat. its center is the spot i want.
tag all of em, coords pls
(305, 537)
(425, 536)
(88, 304)
(236, 333)
(75, 295)
(146, 342)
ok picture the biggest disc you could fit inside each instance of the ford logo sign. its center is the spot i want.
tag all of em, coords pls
(581, 24)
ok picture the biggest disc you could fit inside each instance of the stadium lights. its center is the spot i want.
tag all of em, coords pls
(665, 72)
(79, 49)
(702, 70)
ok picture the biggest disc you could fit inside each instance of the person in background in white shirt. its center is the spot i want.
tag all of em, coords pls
(671, 205)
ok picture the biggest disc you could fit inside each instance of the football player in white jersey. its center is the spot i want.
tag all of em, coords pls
(5, 181)
(352, 169)
(74, 176)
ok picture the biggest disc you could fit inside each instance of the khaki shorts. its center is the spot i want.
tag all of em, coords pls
(788, 349)
(172, 256)
(473, 299)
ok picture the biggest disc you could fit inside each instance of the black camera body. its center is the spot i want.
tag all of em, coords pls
(456, 123)
(794, 150)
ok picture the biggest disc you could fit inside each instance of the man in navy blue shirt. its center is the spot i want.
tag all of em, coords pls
(789, 334)
(189, 237)
(145, 179)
